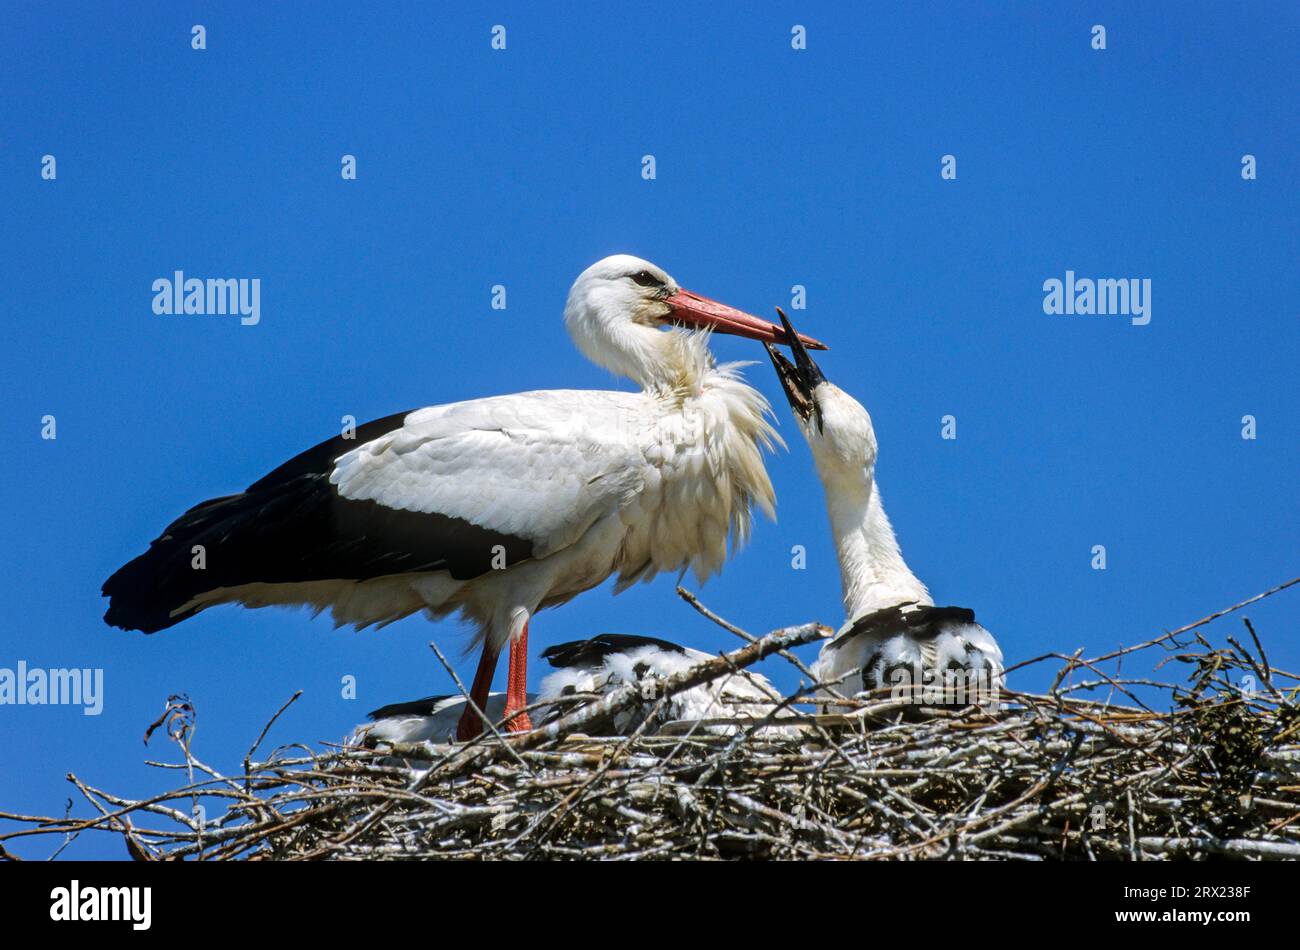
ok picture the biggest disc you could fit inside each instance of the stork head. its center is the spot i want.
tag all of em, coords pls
(838, 427)
(618, 305)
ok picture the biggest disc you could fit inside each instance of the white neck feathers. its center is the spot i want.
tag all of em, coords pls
(872, 570)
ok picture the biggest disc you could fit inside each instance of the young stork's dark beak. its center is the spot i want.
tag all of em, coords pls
(800, 378)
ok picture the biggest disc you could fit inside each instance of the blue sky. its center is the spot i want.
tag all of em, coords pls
(775, 167)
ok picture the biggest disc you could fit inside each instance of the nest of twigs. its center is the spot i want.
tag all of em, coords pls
(1099, 767)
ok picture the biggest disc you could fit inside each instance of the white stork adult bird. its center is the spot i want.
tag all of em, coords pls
(893, 633)
(496, 507)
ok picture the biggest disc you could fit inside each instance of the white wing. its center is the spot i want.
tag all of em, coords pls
(542, 466)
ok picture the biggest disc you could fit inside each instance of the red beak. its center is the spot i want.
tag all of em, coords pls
(692, 310)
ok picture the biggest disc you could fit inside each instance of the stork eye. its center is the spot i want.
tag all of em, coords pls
(646, 279)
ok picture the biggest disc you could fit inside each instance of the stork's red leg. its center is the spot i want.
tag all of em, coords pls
(517, 684)
(470, 725)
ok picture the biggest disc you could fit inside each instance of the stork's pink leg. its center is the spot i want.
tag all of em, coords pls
(517, 685)
(470, 725)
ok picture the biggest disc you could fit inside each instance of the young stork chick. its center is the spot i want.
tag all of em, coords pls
(606, 662)
(431, 719)
(893, 634)
(599, 665)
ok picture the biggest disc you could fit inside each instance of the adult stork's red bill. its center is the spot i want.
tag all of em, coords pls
(497, 507)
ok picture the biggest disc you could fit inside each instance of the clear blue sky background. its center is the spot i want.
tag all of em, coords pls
(775, 168)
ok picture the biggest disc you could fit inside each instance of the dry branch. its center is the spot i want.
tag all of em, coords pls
(1191, 769)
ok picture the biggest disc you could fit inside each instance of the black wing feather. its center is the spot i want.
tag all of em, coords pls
(293, 526)
(414, 707)
(592, 653)
(921, 623)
